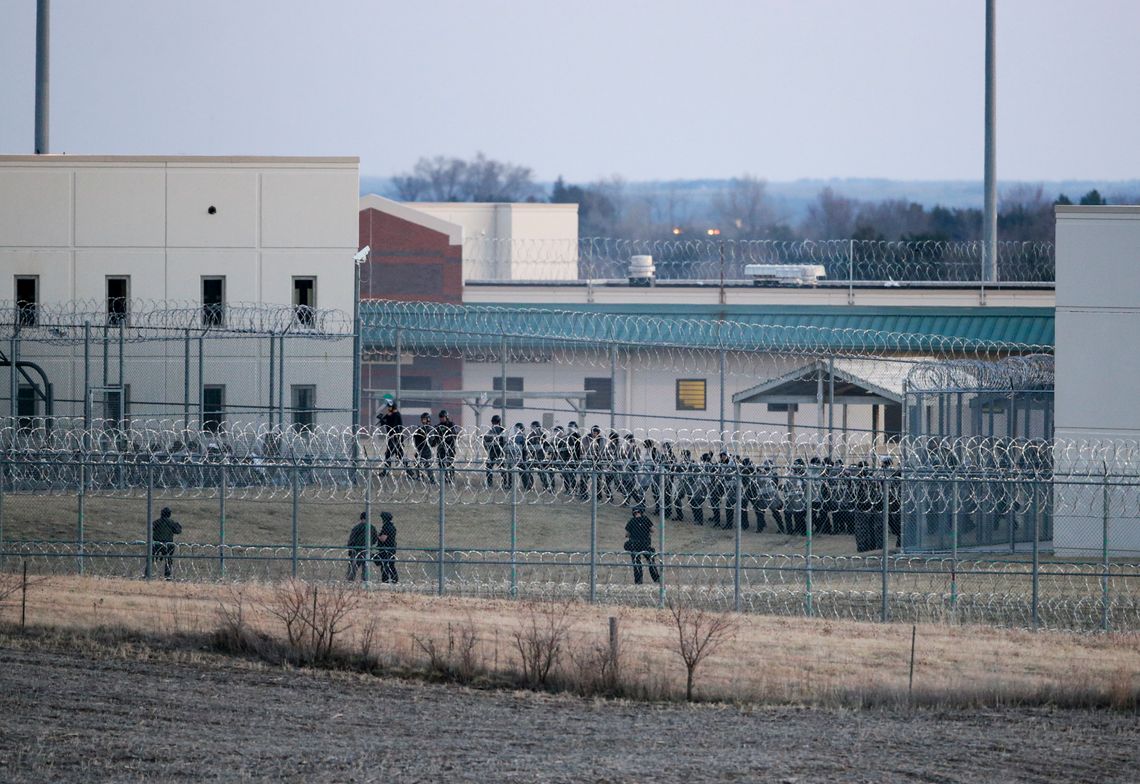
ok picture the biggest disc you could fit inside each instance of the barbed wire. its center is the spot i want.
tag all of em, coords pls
(172, 441)
(143, 319)
(485, 332)
(1022, 373)
(599, 258)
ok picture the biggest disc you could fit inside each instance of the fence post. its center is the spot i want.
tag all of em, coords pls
(222, 492)
(149, 518)
(808, 497)
(202, 381)
(3, 482)
(593, 536)
(737, 518)
(661, 541)
(955, 511)
(1104, 555)
(442, 541)
(515, 478)
(367, 575)
(86, 375)
(884, 613)
(81, 513)
(294, 481)
(13, 349)
(1036, 554)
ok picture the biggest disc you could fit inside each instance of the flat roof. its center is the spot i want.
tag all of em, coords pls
(68, 158)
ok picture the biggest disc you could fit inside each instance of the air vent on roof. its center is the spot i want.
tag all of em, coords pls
(641, 271)
(785, 274)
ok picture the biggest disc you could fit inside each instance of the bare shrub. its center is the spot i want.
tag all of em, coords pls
(313, 617)
(539, 639)
(597, 668)
(699, 634)
(456, 660)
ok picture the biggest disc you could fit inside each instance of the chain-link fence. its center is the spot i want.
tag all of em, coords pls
(1015, 533)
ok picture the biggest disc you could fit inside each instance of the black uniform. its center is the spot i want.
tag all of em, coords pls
(446, 435)
(162, 531)
(494, 441)
(423, 441)
(639, 545)
(387, 550)
(358, 547)
(392, 426)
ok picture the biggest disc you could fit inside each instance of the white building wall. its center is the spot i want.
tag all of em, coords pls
(1098, 326)
(520, 241)
(75, 220)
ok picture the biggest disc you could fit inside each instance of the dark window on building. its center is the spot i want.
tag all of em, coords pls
(305, 300)
(214, 302)
(782, 408)
(27, 300)
(213, 407)
(304, 406)
(691, 394)
(599, 393)
(892, 421)
(118, 300)
(408, 384)
(514, 384)
(27, 405)
(111, 406)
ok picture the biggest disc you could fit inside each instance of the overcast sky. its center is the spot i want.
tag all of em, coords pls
(647, 89)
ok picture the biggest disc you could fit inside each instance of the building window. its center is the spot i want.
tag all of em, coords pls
(213, 407)
(111, 411)
(304, 300)
(304, 406)
(691, 394)
(118, 299)
(27, 300)
(27, 406)
(514, 384)
(214, 302)
(599, 393)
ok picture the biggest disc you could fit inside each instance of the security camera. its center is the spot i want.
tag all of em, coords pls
(362, 254)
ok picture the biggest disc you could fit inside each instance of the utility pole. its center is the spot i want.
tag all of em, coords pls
(989, 227)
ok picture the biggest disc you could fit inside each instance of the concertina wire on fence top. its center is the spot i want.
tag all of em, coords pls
(845, 261)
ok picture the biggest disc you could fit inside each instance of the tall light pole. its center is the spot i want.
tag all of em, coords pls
(43, 37)
(989, 221)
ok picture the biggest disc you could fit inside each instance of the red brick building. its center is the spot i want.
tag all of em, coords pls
(415, 258)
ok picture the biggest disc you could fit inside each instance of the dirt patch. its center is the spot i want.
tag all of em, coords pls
(68, 717)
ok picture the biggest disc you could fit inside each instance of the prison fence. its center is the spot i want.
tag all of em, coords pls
(845, 262)
(1018, 533)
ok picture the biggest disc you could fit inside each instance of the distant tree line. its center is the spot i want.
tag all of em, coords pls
(741, 210)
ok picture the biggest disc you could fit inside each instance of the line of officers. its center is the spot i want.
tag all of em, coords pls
(843, 499)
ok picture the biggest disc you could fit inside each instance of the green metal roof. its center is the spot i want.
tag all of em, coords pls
(733, 326)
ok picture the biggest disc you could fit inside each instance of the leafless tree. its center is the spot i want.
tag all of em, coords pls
(699, 634)
(742, 210)
(831, 217)
(453, 179)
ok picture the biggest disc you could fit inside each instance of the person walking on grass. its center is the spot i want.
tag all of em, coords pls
(358, 547)
(639, 545)
(162, 532)
(387, 550)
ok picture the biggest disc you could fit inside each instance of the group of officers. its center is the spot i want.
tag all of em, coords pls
(842, 499)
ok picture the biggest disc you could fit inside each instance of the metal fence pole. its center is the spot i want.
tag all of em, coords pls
(281, 383)
(1104, 625)
(399, 370)
(955, 511)
(202, 381)
(503, 383)
(1036, 554)
(294, 480)
(86, 375)
(149, 518)
(808, 608)
(515, 478)
(442, 540)
(222, 492)
(367, 532)
(81, 512)
(661, 551)
(593, 536)
(3, 482)
(723, 358)
(13, 354)
(884, 613)
(737, 514)
(272, 379)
